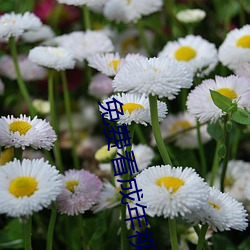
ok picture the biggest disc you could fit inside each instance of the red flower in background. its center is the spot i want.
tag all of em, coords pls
(49, 11)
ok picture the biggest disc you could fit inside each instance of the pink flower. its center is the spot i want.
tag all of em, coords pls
(80, 192)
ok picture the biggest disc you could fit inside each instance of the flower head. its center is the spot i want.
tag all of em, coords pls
(170, 192)
(110, 63)
(197, 53)
(174, 124)
(135, 108)
(156, 76)
(85, 44)
(191, 15)
(42, 34)
(235, 49)
(130, 11)
(28, 186)
(80, 192)
(200, 103)
(90, 3)
(14, 25)
(221, 212)
(26, 132)
(51, 57)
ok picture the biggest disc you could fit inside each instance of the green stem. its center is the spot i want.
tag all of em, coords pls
(202, 235)
(215, 164)
(143, 37)
(86, 17)
(173, 235)
(140, 135)
(124, 239)
(156, 130)
(236, 142)
(27, 229)
(226, 158)
(50, 233)
(18, 153)
(242, 14)
(203, 170)
(66, 96)
(21, 84)
(82, 226)
(54, 120)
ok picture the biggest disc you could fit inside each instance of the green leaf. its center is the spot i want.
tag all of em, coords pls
(11, 236)
(222, 102)
(215, 130)
(245, 244)
(241, 116)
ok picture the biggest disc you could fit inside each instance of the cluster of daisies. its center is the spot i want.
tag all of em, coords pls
(28, 186)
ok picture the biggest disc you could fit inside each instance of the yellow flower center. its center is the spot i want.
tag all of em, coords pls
(227, 92)
(180, 125)
(229, 181)
(130, 107)
(170, 182)
(129, 1)
(6, 156)
(214, 205)
(244, 42)
(114, 64)
(20, 126)
(70, 185)
(23, 186)
(185, 53)
(57, 52)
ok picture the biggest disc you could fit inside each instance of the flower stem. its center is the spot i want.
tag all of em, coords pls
(26, 228)
(203, 170)
(123, 206)
(53, 120)
(50, 233)
(20, 81)
(202, 235)
(173, 235)
(86, 17)
(215, 164)
(66, 96)
(156, 130)
(143, 37)
(18, 153)
(226, 158)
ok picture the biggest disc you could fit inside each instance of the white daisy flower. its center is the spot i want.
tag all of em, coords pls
(135, 108)
(129, 41)
(156, 76)
(14, 25)
(191, 15)
(130, 11)
(200, 103)
(90, 3)
(85, 44)
(235, 49)
(221, 212)
(197, 53)
(174, 124)
(28, 186)
(26, 132)
(29, 70)
(51, 57)
(247, 191)
(110, 63)
(171, 192)
(42, 106)
(42, 34)
(109, 197)
(236, 179)
(143, 155)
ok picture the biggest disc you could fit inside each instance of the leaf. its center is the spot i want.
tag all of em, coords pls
(222, 102)
(241, 116)
(215, 130)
